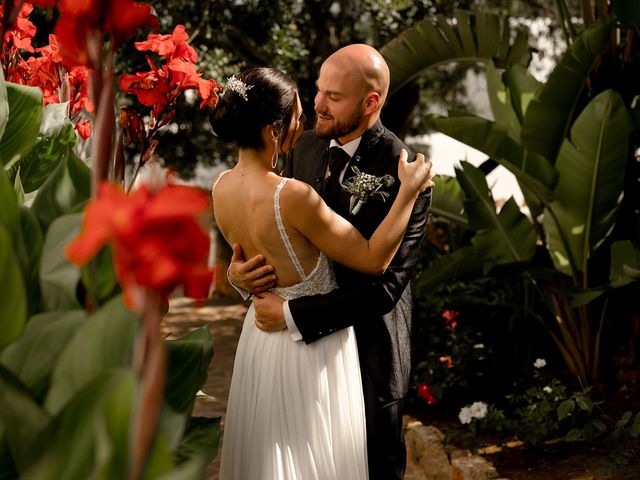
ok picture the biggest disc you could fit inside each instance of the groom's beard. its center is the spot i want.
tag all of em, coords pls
(339, 129)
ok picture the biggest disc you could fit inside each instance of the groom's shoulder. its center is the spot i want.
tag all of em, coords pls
(309, 139)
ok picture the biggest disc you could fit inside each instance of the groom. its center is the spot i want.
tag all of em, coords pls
(352, 87)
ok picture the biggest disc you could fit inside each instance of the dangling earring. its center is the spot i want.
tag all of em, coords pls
(274, 157)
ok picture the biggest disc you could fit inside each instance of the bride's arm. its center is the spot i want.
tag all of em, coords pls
(340, 240)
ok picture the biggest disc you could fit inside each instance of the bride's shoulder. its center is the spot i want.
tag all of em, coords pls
(298, 190)
(216, 180)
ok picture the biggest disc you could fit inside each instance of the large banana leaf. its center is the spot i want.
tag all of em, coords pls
(466, 37)
(551, 112)
(522, 87)
(448, 201)
(504, 114)
(532, 171)
(591, 167)
(501, 238)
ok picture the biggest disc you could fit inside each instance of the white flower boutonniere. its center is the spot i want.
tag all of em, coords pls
(363, 185)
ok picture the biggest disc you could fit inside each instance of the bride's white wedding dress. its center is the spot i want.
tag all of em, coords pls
(295, 411)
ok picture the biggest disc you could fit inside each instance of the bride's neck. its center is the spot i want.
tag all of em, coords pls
(251, 160)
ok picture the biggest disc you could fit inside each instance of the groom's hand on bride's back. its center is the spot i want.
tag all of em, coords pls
(253, 275)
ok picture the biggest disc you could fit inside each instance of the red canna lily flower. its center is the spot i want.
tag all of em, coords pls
(151, 88)
(170, 46)
(43, 3)
(157, 240)
(82, 24)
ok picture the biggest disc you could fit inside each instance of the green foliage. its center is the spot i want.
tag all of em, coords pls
(69, 391)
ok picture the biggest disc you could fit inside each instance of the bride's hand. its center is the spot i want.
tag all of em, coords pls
(415, 175)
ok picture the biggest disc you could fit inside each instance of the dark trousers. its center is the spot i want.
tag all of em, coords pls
(385, 437)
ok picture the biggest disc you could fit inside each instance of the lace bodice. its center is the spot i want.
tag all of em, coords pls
(320, 280)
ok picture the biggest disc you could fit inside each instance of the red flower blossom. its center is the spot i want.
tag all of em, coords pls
(156, 238)
(81, 26)
(424, 392)
(84, 129)
(22, 31)
(170, 46)
(450, 316)
(151, 88)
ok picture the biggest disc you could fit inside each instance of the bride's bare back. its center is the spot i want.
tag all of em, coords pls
(245, 214)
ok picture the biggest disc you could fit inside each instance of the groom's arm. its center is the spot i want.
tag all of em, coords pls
(319, 315)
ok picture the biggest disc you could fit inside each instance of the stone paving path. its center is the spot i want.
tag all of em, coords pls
(225, 321)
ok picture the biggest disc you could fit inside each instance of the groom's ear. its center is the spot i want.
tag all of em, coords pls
(372, 103)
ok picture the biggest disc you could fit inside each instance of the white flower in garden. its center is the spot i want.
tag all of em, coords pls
(547, 389)
(465, 415)
(539, 363)
(478, 409)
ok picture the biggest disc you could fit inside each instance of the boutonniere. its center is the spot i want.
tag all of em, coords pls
(362, 186)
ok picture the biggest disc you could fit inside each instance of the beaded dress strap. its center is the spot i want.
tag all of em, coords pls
(283, 232)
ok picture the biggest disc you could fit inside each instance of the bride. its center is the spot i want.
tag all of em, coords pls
(295, 411)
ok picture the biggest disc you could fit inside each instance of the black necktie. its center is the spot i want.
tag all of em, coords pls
(338, 158)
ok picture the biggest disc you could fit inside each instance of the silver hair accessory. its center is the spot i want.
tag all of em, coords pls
(236, 85)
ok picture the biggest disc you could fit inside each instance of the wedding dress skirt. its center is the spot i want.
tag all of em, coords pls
(295, 411)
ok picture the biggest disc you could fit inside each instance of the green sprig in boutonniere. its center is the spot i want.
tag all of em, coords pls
(363, 185)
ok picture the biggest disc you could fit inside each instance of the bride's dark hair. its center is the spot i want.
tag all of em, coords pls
(268, 99)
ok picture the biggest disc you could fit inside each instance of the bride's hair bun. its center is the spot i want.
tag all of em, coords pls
(251, 100)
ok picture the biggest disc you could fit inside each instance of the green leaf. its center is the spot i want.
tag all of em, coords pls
(34, 355)
(590, 185)
(574, 435)
(448, 201)
(501, 238)
(623, 254)
(81, 432)
(13, 305)
(55, 139)
(565, 409)
(201, 440)
(4, 104)
(65, 191)
(435, 41)
(549, 116)
(21, 132)
(58, 277)
(31, 243)
(522, 87)
(103, 342)
(22, 417)
(189, 358)
(9, 213)
(501, 104)
(533, 171)
(584, 403)
(99, 277)
(462, 264)
(598, 425)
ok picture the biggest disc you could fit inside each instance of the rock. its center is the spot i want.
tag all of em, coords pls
(472, 467)
(425, 445)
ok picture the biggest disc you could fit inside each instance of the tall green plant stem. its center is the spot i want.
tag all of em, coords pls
(151, 364)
